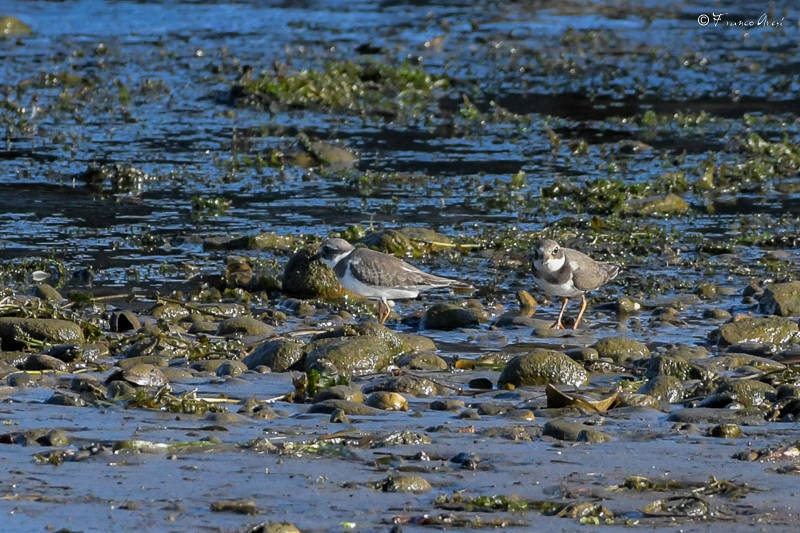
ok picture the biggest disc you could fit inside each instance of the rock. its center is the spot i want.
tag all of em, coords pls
(245, 325)
(748, 392)
(781, 299)
(306, 276)
(231, 369)
(13, 27)
(668, 204)
(717, 314)
(447, 405)
(352, 356)
(665, 389)
(387, 401)
(349, 408)
(339, 392)
(278, 354)
(47, 292)
(574, 432)
(205, 327)
(40, 361)
(687, 351)
(627, 306)
(707, 290)
(415, 343)
(274, 527)
(448, 317)
(174, 373)
(421, 361)
(665, 365)
(49, 330)
(407, 384)
(541, 367)
(725, 431)
(527, 303)
(708, 415)
(494, 408)
(404, 483)
(130, 362)
(773, 330)
(621, 349)
(171, 312)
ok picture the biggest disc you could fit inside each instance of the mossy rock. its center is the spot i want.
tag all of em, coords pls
(402, 483)
(13, 331)
(13, 27)
(541, 367)
(339, 392)
(668, 204)
(781, 299)
(447, 317)
(390, 241)
(407, 384)
(169, 311)
(421, 361)
(770, 330)
(416, 343)
(666, 389)
(665, 365)
(40, 361)
(349, 408)
(688, 352)
(350, 356)
(305, 276)
(245, 325)
(748, 392)
(621, 349)
(278, 354)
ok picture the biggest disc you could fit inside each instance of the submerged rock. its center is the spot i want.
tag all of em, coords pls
(781, 299)
(448, 317)
(13, 331)
(541, 367)
(773, 330)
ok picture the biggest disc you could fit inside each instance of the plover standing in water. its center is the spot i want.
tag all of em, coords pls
(379, 276)
(568, 273)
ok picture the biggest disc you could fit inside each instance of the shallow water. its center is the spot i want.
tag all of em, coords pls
(585, 73)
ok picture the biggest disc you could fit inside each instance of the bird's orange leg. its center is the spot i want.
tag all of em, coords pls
(580, 313)
(558, 324)
(383, 311)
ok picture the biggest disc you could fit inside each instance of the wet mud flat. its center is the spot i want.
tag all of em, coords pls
(175, 356)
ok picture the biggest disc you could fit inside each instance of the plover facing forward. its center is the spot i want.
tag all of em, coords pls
(568, 274)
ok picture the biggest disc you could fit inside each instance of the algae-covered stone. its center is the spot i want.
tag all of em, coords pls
(574, 432)
(665, 365)
(339, 392)
(40, 361)
(621, 349)
(416, 343)
(402, 483)
(541, 367)
(231, 369)
(666, 389)
(781, 299)
(14, 330)
(279, 354)
(170, 311)
(407, 384)
(142, 374)
(245, 325)
(688, 352)
(668, 204)
(306, 276)
(748, 392)
(772, 330)
(447, 317)
(13, 27)
(421, 361)
(353, 356)
(725, 431)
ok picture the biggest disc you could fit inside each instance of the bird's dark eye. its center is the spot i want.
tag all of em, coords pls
(555, 251)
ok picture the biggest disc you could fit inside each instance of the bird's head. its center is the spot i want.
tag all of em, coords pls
(333, 250)
(547, 255)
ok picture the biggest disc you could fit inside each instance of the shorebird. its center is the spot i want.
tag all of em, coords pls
(568, 273)
(379, 276)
